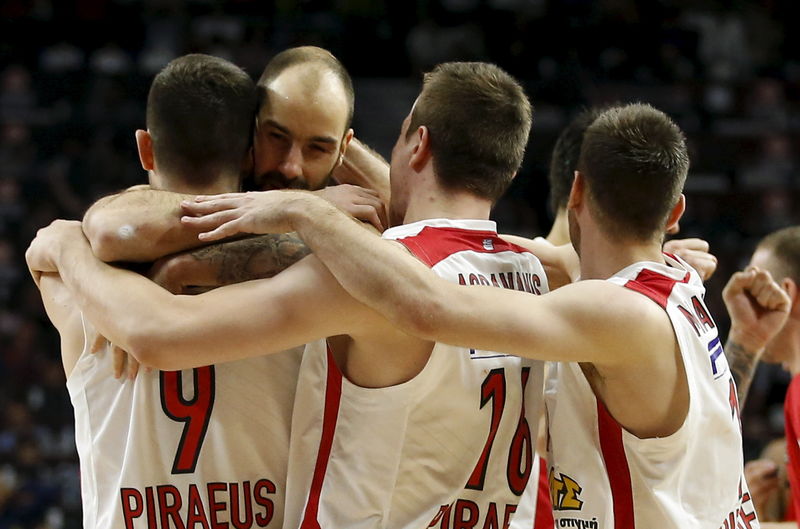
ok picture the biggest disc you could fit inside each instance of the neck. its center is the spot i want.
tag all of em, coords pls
(559, 233)
(432, 202)
(222, 183)
(602, 257)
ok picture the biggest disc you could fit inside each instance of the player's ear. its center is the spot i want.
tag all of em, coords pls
(348, 137)
(788, 284)
(577, 191)
(144, 142)
(675, 215)
(421, 152)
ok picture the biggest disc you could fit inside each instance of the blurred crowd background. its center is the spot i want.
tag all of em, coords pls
(74, 76)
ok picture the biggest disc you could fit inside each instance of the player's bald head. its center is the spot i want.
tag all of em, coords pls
(309, 71)
(779, 253)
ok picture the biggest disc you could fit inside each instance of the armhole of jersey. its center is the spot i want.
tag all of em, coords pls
(84, 351)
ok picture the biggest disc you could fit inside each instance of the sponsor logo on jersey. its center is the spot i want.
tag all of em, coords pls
(488, 244)
(565, 492)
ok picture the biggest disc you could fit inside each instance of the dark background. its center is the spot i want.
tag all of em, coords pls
(74, 77)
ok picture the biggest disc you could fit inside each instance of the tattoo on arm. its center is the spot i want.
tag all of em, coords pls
(743, 366)
(252, 258)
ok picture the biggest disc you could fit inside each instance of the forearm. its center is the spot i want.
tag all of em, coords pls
(368, 267)
(743, 362)
(243, 260)
(138, 225)
(364, 167)
(121, 304)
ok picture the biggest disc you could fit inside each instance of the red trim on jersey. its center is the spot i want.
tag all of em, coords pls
(655, 286)
(432, 245)
(544, 507)
(333, 396)
(619, 475)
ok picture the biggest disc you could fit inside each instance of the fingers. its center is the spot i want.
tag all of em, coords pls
(211, 205)
(760, 285)
(211, 198)
(768, 293)
(738, 283)
(220, 232)
(693, 243)
(702, 261)
(210, 220)
(133, 365)
(98, 344)
(119, 359)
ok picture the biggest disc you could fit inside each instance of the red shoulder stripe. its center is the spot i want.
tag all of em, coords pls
(655, 286)
(432, 245)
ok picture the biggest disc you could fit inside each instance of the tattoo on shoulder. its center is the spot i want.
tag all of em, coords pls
(252, 258)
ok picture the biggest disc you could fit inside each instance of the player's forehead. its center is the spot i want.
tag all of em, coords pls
(763, 258)
(306, 101)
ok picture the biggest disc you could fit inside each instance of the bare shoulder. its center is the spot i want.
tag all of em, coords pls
(620, 319)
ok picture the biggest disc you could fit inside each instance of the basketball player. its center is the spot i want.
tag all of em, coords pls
(765, 318)
(642, 411)
(389, 430)
(175, 449)
(302, 136)
(564, 162)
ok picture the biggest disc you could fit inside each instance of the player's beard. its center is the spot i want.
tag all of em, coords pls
(277, 180)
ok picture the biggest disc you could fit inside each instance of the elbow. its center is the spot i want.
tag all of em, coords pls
(148, 349)
(420, 316)
(154, 343)
(104, 239)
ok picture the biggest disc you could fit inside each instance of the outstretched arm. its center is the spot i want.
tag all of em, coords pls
(758, 308)
(143, 224)
(174, 332)
(407, 293)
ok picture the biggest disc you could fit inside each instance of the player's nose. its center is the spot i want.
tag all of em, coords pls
(292, 164)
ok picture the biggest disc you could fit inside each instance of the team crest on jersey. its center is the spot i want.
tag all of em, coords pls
(488, 244)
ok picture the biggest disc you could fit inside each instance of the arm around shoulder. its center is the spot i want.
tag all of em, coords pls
(138, 225)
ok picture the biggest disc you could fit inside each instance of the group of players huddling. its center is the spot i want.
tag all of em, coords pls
(325, 375)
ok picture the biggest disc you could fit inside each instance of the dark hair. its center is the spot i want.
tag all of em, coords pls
(635, 162)
(564, 159)
(303, 55)
(784, 245)
(200, 112)
(478, 117)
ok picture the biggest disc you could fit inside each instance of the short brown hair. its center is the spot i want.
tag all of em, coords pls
(479, 119)
(200, 115)
(784, 245)
(304, 55)
(635, 162)
(564, 159)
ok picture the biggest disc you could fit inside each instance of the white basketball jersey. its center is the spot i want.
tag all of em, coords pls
(453, 446)
(204, 447)
(603, 477)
